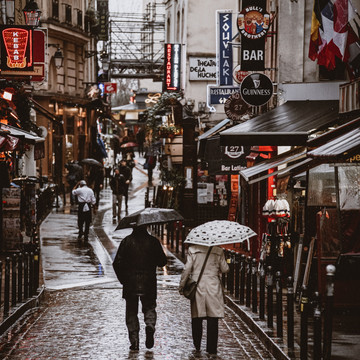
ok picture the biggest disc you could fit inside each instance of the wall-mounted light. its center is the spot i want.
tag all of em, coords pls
(190, 103)
(32, 13)
(58, 56)
(104, 57)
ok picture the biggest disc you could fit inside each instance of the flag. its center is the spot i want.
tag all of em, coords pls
(352, 53)
(329, 31)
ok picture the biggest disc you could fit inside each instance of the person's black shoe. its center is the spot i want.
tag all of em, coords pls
(149, 343)
(134, 347)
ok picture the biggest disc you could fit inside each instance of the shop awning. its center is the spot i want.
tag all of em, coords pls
(21, 134)
(290, 124)
(295, 159)
(43, 111)
(214, 129)
(335, 149)
(130, 107)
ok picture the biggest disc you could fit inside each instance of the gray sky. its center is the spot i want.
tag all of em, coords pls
(125, 6)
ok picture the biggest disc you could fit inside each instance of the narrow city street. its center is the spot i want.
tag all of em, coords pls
(83, 315)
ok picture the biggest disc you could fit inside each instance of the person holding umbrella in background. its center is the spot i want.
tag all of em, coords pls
(86, 199)
(118, 187)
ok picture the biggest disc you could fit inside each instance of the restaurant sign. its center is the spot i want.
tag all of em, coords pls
(256, 89)
(172, 67)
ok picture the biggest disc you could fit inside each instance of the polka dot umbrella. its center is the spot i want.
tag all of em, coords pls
(219, 232)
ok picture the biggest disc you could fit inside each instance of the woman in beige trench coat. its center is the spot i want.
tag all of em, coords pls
(209, 300)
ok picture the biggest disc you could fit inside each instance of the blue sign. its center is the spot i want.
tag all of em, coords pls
(219, 94)
(224, 49)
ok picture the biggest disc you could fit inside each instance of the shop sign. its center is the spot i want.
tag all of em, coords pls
(219, 94)
(224, 48)
(202, 68)
(103, 16)
(172, 67)
(16, 48)
(239, 75)
(256, 89)
(110, 88)
(34, 54)
(234, 151)
(253, 23)
(235, 107)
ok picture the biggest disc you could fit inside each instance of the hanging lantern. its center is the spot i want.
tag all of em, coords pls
(32, 13)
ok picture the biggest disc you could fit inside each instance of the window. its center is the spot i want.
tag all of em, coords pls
(79, 18)
(68, 18)
(55, 9)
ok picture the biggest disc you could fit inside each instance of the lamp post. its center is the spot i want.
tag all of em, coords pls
(32, 13)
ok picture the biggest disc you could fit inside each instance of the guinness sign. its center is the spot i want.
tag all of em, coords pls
(256, 89)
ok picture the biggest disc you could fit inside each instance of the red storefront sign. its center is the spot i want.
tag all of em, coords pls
(22, 52)
(172, 67)
(110, 88)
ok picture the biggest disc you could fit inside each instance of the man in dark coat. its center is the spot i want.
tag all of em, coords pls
(118, 187)
(135, 264)
(125, 170)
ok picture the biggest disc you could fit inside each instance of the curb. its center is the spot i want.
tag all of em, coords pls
(20, 310)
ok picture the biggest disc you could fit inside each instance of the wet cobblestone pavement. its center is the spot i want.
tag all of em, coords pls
(88, 323)
(83, 314)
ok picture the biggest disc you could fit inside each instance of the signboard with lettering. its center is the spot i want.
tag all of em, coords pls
(16, 48)
(224, 48)
(103, 17)
(219, 94)
(172, 67)
(256, 89)
(202, 68)
(35, 53)
(235, 107)
(253, 23)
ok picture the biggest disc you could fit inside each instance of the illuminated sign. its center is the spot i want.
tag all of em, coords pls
(253, 23)
(16, 48)
(110, 88)
(103, 18)
(172, 67)
(224, 49)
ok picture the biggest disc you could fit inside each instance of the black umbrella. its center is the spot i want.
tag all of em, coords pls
(91, 162)
(149, 216)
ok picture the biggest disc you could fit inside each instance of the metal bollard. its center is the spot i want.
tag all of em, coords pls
(162, 232)
(262, 291)
(290, 313)
(304, 323)
(328, 311)
(237, 274)
(20, 277)
(1, 273)
(317, 326)
(13, 279)
(177, 238)
(279, 305)
(270, 289)
(248, 282)
(168, 233)
(254, 286)
(231, 272)
(7, 287)
(172, 235)
(242, 279)
(36, 268)
(183, 238)
(31, 274)
(26, 275)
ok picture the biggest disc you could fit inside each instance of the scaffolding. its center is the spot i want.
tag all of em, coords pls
(136, 44)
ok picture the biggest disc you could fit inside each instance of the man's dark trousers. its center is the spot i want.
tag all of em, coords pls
(84, 217)
(132, 321)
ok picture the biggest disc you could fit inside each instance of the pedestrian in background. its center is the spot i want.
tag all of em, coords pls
(125, 170)
(118, 187)
(135, 264)
(86, 199)
(209, 300)
(150, 163)
(97, 182)
(140, 139)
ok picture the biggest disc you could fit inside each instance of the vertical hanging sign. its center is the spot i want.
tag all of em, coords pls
(253, 23)
(172, 67)
(103, 11)
(224, 48)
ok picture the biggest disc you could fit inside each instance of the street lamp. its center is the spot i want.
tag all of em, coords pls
(104, 57)
(58, 56)
(32, 13)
